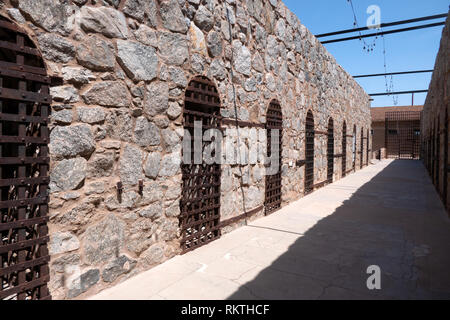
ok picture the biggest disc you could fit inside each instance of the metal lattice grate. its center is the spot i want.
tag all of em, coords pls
(403, 134)
(445, 190)
(274, 121)
(344, 149)
(367, 147)
(361, 163)
(354, 149)
(24, 109)
(438, 153)
(200, 201)
(309, 153)
(330, 151)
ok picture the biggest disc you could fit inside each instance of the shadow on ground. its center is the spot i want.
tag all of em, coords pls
(395, 221)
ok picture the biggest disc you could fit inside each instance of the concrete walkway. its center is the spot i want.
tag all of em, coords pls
(320, 247)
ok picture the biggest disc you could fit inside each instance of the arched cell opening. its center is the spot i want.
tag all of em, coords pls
(24, 164)
(354, 149)
(330, 151)
(438, 154)
(367, 147)
(433, 153)
(445, 196)
(361, 163)
(274, 124)
(344, 150)
(200, 201)
(309, 153)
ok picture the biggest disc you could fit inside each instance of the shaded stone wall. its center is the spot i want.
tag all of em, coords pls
(434, 111)
(118, 117)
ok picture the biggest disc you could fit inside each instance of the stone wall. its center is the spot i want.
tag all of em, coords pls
(434, 111)
(118, 117)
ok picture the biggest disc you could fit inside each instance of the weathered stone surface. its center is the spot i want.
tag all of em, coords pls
(139, 61)
(197, 39)
(146, 133)
(146, 35)
(170, 139)
(204, 19)
(170, 164)
(83, 283)
(108, 94)
(243, 58)
(174, 110)
(153, 255)
(16, 15)
(67, 261)
(104, 20)
(91, 115)
(118, 267)
(61, 242)
(49, 14)
(72, 141)
(67, 94)
(56, 48)
(77, 75)
(101, 165)
(214, 42)
(103, 240)
(96, 53)
(157, 98)
(172, 17)
(152, 164)
(153, 211)
(217, 70)
(173, 48)
(62, 116)
(142, 10)
(68, 174)
(178, 77)
(130, 165)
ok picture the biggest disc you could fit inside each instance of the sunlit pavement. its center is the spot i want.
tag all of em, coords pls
(319, 247)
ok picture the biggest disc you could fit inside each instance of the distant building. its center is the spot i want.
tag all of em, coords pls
(396, 132)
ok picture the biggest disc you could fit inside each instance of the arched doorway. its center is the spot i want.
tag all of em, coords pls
(354, 148)
(274, 121)
(200, 200)
(309, 153)
(344, 150)
(438, 153)
(330, 151)
(361, 164)
(24, 165)
(367, 147)
(445, 196)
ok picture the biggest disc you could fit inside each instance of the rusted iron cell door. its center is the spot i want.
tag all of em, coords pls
(446, 166)
(24, 163)
(344, 150)
(309, 153)
(274, 121)
(438, 154)
(354, 148)
(330, 151)
(403, 134)
(367, 147)
(433, 152)
(200, 200)
(361, 164)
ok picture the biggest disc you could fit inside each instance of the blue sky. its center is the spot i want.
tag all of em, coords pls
(414, 50)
